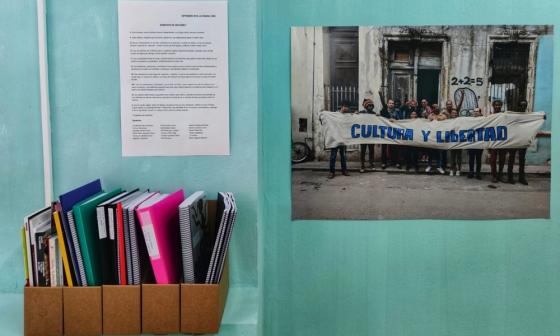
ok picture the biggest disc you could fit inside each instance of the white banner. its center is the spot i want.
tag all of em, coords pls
(500, 130)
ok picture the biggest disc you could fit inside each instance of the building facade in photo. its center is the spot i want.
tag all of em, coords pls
(436, 63)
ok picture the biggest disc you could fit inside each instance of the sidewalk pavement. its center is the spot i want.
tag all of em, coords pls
(415, 196)
(355, 166)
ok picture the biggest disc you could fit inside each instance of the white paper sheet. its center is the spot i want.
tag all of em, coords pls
(174, 78)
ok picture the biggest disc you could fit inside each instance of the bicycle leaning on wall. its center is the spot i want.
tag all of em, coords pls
(301, 151)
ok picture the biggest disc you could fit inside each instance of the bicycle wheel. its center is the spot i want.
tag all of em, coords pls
(300, 152)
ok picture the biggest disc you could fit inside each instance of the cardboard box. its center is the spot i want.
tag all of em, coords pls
(160, 309)
(202, 306)
(42, 309)
(121, 309)
(82, 310)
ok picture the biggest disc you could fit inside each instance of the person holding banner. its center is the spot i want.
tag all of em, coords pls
(438, 154)
(448, 110)
(344, 108)
(449, 104)
(455, 154)
(368, 109)
(440, 115)
(413, 108)
(497, 154)
(425, 110)
(399, 109)
(390, 112)
(411, 151)
(475, 155)
(405, 109)
(409, 106)
(522, 152)
(436, 113)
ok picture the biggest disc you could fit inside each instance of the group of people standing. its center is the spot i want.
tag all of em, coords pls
(410, 156)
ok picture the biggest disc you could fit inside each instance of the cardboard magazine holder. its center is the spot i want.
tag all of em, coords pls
(42, 308)
(121, 309)
(82, 310)
(160, 309)
(130, 309)
(202, 305)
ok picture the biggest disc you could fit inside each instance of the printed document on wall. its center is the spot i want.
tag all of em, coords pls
(174, 78)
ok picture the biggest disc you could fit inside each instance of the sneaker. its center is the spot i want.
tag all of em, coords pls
(478, 177)
(372, 167)
(362, 170)
(470, 175)
(523, 181)
(428, 169)
(383, 166)
(331, 175)
(450, 173)
(345, 173)
(398, 165)
(440, 170)
(458, 173)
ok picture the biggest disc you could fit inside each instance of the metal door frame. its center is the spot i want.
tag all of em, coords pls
(444, 70)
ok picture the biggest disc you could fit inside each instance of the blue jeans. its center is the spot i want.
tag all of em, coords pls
(475, 156)
(332, 161)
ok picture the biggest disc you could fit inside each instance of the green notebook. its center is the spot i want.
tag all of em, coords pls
(86, 225)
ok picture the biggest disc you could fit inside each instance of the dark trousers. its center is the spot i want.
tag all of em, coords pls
(444, 159)
(411, 157)
(371, 149)
(511, 161)
(500, 155)
(436, 154)
(475, 157)
(423, 153)
(391, 151)
(384, 150)
(332, 161)
(456, 159)
(397, 154)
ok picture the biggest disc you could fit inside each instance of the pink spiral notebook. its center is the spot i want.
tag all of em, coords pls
(159, 219)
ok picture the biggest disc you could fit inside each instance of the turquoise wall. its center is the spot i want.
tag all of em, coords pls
(21, 161)
(319, 277)
(543, 96)
(398, 277)
(85, 108)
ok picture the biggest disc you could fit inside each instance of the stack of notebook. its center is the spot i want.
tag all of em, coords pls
(94, 237)
(225, 218)
(193, 225)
